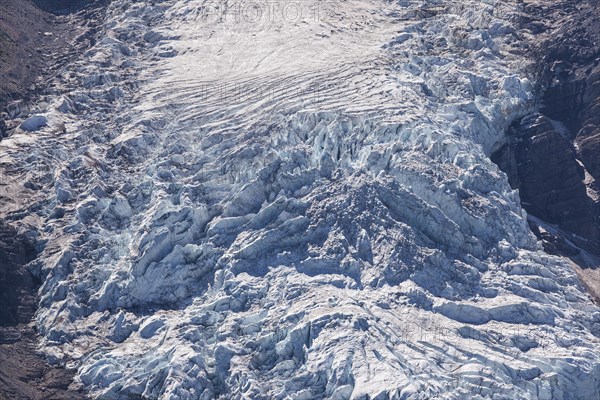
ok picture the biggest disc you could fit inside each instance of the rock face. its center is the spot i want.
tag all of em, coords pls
(543, 164)
(299, 208)
(553, 155)
(17, 285)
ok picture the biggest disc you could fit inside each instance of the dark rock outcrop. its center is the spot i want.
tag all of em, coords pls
(588, 135)
(16, 283)
(543, 164)
(553, 155)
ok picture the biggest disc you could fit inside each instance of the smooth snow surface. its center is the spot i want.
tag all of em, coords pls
(293, 200)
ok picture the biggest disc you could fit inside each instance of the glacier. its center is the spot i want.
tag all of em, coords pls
(294, 200)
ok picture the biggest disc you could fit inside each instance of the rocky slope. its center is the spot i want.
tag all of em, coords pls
(552, 153)
(24, 373)
(255, 203)
(37, 39)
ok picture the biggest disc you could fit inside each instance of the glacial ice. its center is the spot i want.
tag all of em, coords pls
(297, 207)
(34, 123)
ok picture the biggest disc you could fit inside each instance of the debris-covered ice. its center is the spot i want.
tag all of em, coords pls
(294, 200)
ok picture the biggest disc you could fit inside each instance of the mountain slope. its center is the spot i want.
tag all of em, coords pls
(235, 204)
